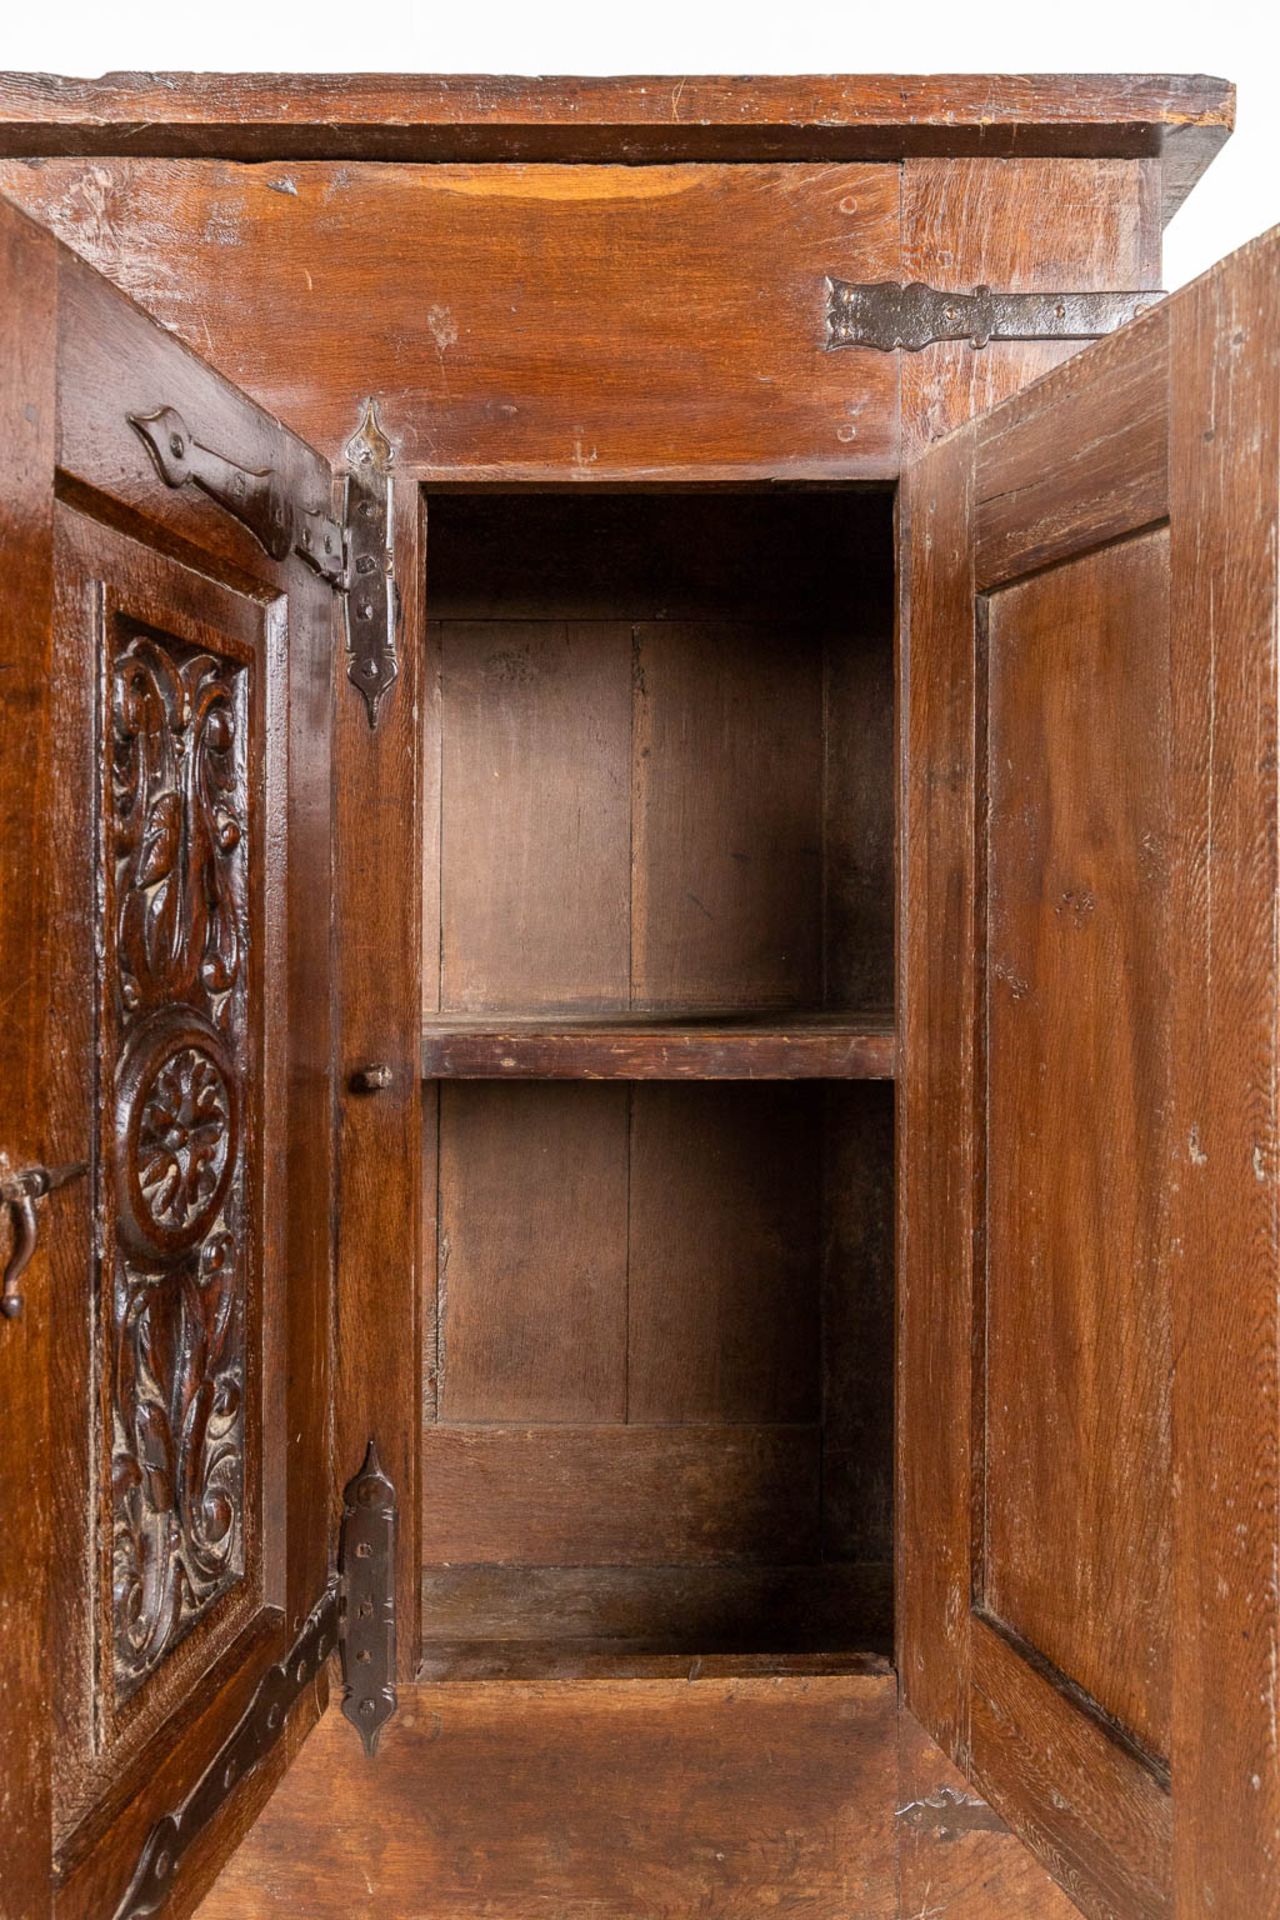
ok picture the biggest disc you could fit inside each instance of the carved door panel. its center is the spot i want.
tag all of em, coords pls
(1089, 1494)
(181, 1018)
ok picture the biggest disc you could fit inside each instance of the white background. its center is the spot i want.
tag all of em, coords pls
(1238, 39)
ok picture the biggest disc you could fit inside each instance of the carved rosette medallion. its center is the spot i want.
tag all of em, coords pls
(175, 1211)
(178, 1103)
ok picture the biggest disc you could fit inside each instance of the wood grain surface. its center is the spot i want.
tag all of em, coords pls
(956, 1858)
(515, 322)
(536, 815)
(1033, 225)
(620, 1495)
(724, 1255)
(590, 1800)
(1076, 1549)
(533, 1254)
(713, 1791)
(935, 1143)
(1183, 119)
(786, 1046)
(28, 424)
(1224, 533)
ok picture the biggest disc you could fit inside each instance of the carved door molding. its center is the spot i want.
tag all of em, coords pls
(187, 1291)
(179, 1132)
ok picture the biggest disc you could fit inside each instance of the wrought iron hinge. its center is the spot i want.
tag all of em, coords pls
(945, 1814)
(354, 555)
(373, 602)
(252, 1738)
(355, 1615)
(367, 1600)
(885, 314)
(255, 496)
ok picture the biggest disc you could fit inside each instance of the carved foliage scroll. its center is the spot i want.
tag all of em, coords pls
(175, 1045)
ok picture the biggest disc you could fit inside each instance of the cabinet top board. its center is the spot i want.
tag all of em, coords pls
(1181, 119)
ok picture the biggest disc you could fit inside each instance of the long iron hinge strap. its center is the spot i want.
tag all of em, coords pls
(355, 1614)
(886, 314)
(355, 557)
(252, 1738)
(255, 496)
(373, 602)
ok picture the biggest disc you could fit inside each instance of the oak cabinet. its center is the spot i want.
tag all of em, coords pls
(639, 929)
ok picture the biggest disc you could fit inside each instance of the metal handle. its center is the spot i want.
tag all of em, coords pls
(22, 1191)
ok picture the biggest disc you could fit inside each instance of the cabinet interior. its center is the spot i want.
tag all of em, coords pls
(658, 919)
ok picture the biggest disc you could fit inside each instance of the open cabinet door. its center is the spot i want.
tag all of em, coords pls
(166, 1122)
(1089, 1149)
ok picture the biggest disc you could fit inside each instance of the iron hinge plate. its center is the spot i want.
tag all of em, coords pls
(354, 556)
(355, 1615)
(886, 315)
(255, 496)
(252, 1738)
(322, 543)
(945, 1814)
(372, 600)
(367, 1600)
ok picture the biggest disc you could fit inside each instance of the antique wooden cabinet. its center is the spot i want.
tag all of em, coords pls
(639, 943)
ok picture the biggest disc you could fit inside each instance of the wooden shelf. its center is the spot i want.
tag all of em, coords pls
(627, 1046)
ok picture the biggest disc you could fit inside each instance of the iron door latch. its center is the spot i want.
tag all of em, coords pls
(22, 1192)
